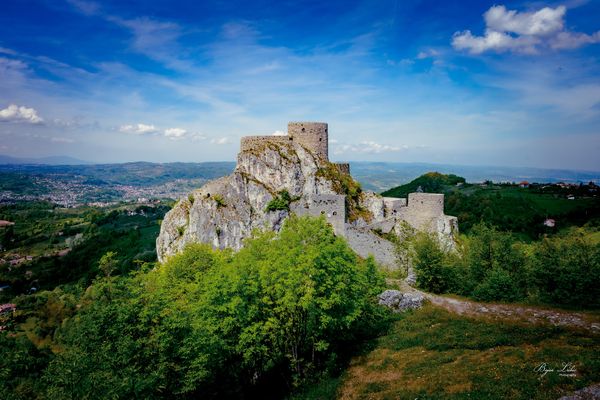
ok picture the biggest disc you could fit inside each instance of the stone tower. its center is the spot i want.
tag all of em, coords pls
(312, 135)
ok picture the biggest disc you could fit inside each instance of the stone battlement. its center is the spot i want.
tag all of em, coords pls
(344, 168)
(312, 135)
(250, 143)
(429, 204)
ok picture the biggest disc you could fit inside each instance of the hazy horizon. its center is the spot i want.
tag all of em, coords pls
(61, 158)
(461, 82)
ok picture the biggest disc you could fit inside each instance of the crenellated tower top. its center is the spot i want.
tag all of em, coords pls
(312, 135)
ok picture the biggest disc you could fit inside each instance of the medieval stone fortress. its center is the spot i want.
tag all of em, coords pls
(225, 211)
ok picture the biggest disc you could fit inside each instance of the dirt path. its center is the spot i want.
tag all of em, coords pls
(515, 312)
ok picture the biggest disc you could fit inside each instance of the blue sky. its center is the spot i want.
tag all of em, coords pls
(462, 82)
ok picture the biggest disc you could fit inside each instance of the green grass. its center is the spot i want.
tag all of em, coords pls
(432, 354)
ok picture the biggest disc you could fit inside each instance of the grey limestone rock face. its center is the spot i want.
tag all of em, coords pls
(225, 211)
(398, 301)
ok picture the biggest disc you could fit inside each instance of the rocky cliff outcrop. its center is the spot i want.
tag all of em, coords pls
(225, 211)
(274, 178)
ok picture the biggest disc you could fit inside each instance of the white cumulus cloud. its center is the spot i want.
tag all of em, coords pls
(523, 32)
(138, 129)
(175, 133)
(279, 133)
(14, 113)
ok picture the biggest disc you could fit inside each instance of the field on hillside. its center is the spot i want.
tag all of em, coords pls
(510, 207)
(48, 245)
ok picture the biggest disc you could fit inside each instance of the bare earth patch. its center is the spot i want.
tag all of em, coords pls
(514, 312)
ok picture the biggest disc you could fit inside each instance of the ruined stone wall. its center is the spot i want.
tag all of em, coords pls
(312, 135)
(249, 143)
(426, 203)
(423, 210)
(392, 206)
(344, 168)
(364, 242)
(331, 205)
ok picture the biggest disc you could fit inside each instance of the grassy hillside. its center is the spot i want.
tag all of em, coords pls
(432, 354)
(509, 207)
(431, 182)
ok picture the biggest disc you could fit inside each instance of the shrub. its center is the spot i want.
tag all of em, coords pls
(431, 268)
(280, 202)
(498, 284)
(488, 252)
(219, 200)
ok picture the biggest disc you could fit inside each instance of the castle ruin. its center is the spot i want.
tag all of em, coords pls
(225, 211)
(313, 136)
(422, 211)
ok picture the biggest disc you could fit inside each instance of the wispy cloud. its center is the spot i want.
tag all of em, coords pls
(368, 147)
(85, 7)
(151, 37)
(523, 32)
(180, 133)
(138, 129)
(429, 53)
(62, 140)
(221, 141)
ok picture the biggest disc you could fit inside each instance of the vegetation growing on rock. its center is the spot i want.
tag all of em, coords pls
(219, 200)
(344, 184)
(280, 202)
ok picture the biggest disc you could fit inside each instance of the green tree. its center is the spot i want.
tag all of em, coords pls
(108, 263)
(21, 366)
(566, 270)
(294, 297)
(211, 324)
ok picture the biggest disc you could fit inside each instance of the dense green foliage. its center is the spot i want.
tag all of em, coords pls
(492, 265)
(67, 244)
(520, 210)
(431, 182)
(431, 267)
(207, 323)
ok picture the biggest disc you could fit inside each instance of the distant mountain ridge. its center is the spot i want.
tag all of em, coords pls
(51, 160)
(377, 176)
(381, 176)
